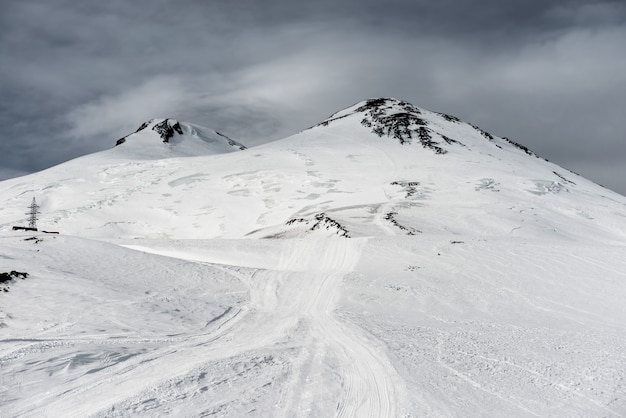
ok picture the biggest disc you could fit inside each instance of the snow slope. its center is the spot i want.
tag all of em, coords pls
(390, 261)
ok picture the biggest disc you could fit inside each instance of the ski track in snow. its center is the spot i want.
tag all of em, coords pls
(367, 386)
(339, 371)
(302, 294)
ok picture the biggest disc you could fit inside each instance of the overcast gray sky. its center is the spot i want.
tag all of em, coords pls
(77, 75)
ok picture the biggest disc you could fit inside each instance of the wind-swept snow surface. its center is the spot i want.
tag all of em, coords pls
(388, 262)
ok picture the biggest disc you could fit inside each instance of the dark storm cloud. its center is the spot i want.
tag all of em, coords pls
(78, 75)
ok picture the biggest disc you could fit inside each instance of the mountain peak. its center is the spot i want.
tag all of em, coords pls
(165, 128)
(408, 124)
(160, 138)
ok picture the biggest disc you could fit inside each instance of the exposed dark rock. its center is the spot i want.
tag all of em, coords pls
(166, 130)
(427, 142)
(6, 278)
(373, 104)
(231, 142)
(483, 133)
(296, 220)
(450, 140)
(402, 121)
(144, 125)
(397, 119)
(321, 220)
(379, 105)
(390, 216)
(449, 118)
(328, 121)
(410, 187)
(520, 146)
(563, 178)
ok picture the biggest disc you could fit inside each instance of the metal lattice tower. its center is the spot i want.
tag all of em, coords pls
(32, 215)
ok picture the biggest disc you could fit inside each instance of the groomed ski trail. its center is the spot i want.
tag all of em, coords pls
(369, 385)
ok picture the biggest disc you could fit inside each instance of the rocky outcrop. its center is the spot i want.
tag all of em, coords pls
(167, 128)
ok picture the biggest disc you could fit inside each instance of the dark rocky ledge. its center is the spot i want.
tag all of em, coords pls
(166, 130)
(231, 142)
(519, 146)
(449, 118)
(390, 216)
(410, 187)
(321, 221)
(483, 133)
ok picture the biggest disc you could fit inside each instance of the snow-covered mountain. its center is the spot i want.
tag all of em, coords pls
(374, 168)
(166, 138)
(389, 261)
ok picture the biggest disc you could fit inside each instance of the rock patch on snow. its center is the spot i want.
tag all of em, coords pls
(6, 278)
(410, 187)
(321, 221)
(390, 216)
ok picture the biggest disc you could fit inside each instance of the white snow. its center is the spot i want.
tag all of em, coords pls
(190, 281)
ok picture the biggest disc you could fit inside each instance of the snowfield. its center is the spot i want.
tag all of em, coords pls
(388, 262)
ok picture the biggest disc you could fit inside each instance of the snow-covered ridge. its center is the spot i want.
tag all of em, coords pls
(166, 129)
(161, 138)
